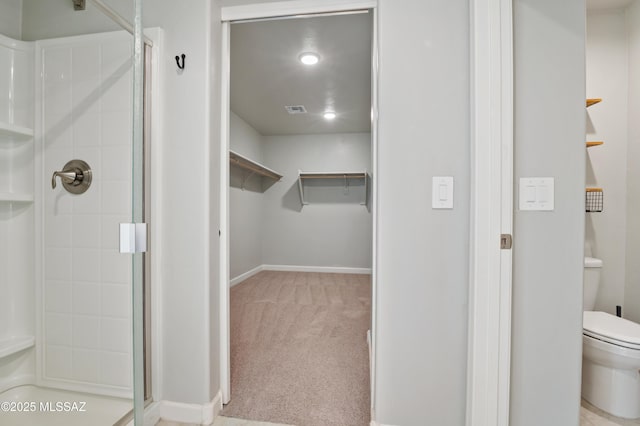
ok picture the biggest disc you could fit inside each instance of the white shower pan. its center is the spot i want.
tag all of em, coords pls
(33, 405)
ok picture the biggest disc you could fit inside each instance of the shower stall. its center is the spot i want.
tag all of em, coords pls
(72, 150)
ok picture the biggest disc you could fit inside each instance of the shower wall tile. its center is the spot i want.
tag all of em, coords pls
(116, 267)
(87, 128)
(57, 297)
(113, 132)
(57, 230)
(58, 362)
(87, 90)
(58, 329)
(87, 232)
(86, 265)
(116, 197)
(86, 298)
(116, 369)
(86, 332)
(90, 201)
(86, 365)
(116, 300)
(57, 264)
(113, 339)
(116, 163)
(110, 230)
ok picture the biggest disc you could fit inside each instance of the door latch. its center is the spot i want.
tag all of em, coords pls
(506, 241)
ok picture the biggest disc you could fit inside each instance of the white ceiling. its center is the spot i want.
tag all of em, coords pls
(607, 4)
(266, 74)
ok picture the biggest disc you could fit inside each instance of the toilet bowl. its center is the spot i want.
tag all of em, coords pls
(610, 354)
(611, 364)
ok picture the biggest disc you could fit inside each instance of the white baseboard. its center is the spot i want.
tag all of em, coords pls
(201, 414)
(296, 268)
(326, 269)
(246, 275)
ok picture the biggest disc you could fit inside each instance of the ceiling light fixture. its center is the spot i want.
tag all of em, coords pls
(329, 115)
(309, 58)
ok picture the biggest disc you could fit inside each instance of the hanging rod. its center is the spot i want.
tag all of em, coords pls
(113, 15)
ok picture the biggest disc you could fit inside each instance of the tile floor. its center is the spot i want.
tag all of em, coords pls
(592, 416)
(224, 421)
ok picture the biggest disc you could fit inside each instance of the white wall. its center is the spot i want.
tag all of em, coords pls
(187, 261)
(246, 207)
(631, 308)
(549, 52)
(423, 253)
(607, 78)
(333, 229)
(11, 18)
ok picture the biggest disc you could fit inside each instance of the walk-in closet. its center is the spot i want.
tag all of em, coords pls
(300, 219)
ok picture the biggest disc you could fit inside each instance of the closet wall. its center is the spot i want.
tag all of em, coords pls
(273, 228)
(245, 206)
(334, 229)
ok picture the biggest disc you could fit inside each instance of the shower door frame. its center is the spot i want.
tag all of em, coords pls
(150, 206)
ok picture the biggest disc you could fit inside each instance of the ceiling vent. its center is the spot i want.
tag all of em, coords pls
(296, 109)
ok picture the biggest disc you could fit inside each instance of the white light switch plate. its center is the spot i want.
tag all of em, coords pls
(442, 192)
(536, 193)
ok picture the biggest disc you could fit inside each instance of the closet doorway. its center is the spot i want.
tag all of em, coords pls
(297, 221)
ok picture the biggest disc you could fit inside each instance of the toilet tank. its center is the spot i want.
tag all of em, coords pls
(592, 268)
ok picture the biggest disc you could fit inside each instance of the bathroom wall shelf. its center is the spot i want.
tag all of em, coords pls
(14, 345)
(7, 129)
(594, 143)
(16, 197)
(252, 166)
(302, 176)
(593, 101)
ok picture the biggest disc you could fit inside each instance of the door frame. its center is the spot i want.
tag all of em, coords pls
(490, 267)
(261, 11)
(491, 162)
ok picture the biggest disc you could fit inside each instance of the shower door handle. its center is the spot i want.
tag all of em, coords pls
(68, 177)
(75, 177)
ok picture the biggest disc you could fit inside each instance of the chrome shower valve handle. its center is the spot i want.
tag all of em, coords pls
(68, 177)
(75, 177)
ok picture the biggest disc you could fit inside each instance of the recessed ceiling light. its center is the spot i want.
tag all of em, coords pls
(329, 115)
(309, 58)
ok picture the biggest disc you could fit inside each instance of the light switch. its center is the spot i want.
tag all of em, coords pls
(537, 194)
(442, 192)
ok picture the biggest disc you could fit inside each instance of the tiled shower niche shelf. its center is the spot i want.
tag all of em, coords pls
(10, 197)
(302, 176)
(11, 130)
(15, 344)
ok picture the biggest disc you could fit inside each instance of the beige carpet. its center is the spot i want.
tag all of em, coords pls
(299, 351)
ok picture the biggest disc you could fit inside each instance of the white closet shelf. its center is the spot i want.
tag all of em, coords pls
(15, 344)
(253, 166)
(332, 175)
(7, 129)
(16, 197)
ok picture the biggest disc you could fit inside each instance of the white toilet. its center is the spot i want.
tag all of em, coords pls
(610, 354)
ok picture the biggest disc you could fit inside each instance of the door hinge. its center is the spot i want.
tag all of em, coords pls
(506, 241)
